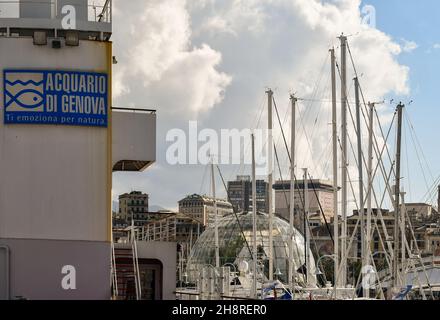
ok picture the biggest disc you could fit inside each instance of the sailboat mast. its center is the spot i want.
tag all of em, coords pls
(293, 101)
(270, 179)
(335, 169)
(254, 221)
(306, 224)
(360, 167)
(344, 159)
(403, 230)
(397, 197)
(217, 250)
(370, 186)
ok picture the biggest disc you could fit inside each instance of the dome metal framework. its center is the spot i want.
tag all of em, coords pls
(236, 247)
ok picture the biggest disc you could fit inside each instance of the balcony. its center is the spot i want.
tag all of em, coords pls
(19, 17)
(134, 139)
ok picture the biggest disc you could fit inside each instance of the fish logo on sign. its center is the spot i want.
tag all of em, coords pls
(55, 97)
(24, 92)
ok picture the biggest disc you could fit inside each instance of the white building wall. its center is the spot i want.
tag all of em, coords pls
(325, 198)
(54, 178)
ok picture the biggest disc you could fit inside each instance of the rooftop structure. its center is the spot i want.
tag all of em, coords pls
(93, 19)
(201, 208)
(320, 196)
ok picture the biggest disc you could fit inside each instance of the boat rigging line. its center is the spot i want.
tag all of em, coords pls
(234, 211)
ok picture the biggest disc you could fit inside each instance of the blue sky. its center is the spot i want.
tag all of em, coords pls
(417, 21)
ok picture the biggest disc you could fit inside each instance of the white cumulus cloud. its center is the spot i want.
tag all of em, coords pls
(157, 62)
(409, 46)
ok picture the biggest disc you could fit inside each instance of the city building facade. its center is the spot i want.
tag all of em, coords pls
(320, 195)
(421, 213)
(240, 194)
(424, 223)
(378, 232)
(134, 206)
(201, 208)
(432, 240)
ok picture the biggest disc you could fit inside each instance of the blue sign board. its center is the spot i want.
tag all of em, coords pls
(55, 97)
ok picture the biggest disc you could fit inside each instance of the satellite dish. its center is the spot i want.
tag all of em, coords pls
(243, 266)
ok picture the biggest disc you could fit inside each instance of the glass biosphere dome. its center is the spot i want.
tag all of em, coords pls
(235, 246)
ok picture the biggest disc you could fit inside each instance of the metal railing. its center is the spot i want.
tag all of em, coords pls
(151, 111)
(136, 269)
(97, 10)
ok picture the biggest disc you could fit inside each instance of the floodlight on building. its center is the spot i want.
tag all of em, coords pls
(72, 38)
(40, 38)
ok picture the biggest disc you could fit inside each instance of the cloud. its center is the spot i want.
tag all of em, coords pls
(158, 61)
(211, 61)
(409, 46)
(217, 25)
(299, 32)
(436, 46)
